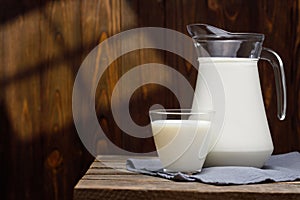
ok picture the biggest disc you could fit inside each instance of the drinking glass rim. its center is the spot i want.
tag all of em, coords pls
(178, 111)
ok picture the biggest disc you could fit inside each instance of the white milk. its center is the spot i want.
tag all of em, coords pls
(181, 144)
(245, 137)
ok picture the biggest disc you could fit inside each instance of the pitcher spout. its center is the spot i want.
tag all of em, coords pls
(204, 29)
(211, 41)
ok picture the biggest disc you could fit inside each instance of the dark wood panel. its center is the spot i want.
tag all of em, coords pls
(43, 44)
(295, 74)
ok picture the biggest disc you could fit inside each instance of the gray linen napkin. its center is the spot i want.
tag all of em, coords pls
(284, 167)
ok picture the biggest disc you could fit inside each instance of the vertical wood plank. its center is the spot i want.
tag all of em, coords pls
(280, 40)
(137, 14)
(93, 20)
(129, 20)
(60, 43)
(22, 103)
(295, 73)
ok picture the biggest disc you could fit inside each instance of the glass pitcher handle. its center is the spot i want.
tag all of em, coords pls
(274, 59)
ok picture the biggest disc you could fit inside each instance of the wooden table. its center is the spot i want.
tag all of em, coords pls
(109, 179)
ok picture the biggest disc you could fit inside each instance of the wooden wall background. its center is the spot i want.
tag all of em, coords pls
(42, 44)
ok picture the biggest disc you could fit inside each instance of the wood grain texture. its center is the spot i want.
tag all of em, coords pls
(43, 43)
(121, 184)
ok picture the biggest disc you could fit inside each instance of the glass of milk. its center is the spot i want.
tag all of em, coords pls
(182, 138)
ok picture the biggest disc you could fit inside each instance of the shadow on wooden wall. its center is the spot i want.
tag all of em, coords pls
(43, 44)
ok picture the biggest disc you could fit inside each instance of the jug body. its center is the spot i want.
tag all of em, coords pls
(245, 138)
(240, 132)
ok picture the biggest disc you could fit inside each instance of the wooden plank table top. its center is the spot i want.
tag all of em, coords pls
(107, 178)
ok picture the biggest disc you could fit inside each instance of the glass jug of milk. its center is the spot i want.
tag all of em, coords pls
(241, 134)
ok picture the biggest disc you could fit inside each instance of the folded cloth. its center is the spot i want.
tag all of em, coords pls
(284, 167)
